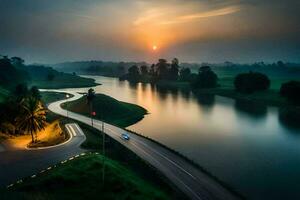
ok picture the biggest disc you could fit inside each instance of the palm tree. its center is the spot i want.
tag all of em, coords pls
(32, 118)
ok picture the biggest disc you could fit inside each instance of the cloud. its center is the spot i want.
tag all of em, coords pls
(183, 11)
(196, 16)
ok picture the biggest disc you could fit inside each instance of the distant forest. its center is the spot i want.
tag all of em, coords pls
(117, 69)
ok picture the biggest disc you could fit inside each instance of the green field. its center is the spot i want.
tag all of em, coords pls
(111, 110)
(81, 178)
(39, 77)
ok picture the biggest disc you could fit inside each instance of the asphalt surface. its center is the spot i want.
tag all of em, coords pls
(16, 164)
(188, 178)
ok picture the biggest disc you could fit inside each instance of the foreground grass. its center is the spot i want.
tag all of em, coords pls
(81, 178)
(116, 151)
(113, 111)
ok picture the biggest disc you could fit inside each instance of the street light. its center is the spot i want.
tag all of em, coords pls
(67, 96)
(93, 114)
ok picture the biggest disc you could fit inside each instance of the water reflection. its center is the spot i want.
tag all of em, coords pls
(290, 118)
(254, 110)
(133, 85)
(206, 101)
(226, 136)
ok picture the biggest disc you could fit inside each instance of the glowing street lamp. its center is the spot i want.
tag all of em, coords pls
(93, 115)
(67, 96)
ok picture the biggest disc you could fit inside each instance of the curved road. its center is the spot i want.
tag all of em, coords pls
(194, 183)
(21, 163)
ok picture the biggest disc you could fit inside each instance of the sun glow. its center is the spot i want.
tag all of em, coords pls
(154, 47)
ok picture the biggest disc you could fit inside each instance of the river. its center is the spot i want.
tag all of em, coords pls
(244, 144)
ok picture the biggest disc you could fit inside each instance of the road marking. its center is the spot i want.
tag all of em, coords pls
(73, 131)
(56, 108)
(178, 166)
(195, 194)
(79, 129)
(69, 130)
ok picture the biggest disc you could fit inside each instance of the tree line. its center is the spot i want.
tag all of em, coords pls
(246, 83)
(22, 111)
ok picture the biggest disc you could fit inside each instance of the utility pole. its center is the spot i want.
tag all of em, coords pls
(103, 148)
(67, 96)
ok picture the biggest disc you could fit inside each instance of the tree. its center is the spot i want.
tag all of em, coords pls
(173, 72)
(90, 97)
(50, 76)
(206, 78)
(251, 82)
(35, 93)
(21, 91)
(291, 90)
(280, 64)
(8, 73)
(133, 73)
(144, 70)
(185, 74)
(152, 70)
(17, 61)
(162, 68)
(32, 118)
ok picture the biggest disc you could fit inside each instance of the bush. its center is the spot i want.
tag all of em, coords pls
(251, 82)
(291, 90)
(206, 78)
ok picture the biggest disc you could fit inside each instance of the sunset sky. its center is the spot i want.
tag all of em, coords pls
(51, 31)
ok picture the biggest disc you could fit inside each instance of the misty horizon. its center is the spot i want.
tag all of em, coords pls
(240, 31)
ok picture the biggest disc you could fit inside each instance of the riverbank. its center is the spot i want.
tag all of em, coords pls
(109, 109)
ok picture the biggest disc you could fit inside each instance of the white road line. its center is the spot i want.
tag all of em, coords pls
(70, 130)
(166, 158)
(195, 194)
(73, 131)
(178, 166)
(79, 130)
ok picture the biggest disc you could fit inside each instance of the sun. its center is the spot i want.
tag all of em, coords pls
(154, 47)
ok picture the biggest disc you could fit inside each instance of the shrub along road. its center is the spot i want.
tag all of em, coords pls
(192, 181)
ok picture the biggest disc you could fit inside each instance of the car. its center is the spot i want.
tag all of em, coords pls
(125, 136)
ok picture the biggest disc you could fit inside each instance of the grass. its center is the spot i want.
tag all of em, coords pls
(115, 112)
(52, 135)
(81, 178)
(145, 183)
(116, 151)
(49, 97)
